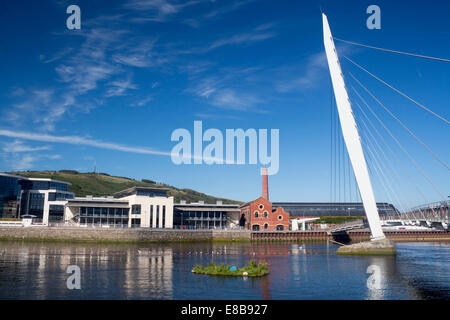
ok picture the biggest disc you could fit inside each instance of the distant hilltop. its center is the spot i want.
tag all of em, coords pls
(103, 184)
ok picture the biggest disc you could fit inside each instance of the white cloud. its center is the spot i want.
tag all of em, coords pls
(17, 146)
(227, 8)
(157, 10)
(40, 106)
(307, 76)
(142, 102)
(231, 99)
(24, 163)
(76, 140)
(19, 156)
(119, 88)
(245, 38)
(221, 90)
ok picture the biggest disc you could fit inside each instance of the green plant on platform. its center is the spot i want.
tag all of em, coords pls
(253, 269)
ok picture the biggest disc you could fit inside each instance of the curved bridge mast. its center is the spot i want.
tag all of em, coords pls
(351, 135)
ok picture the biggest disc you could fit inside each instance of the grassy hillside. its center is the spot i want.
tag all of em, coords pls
(101, 184)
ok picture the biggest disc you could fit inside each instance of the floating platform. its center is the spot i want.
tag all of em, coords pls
(375, 247)
(251, 270)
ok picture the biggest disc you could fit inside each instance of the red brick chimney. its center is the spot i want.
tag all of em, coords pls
(265, 187)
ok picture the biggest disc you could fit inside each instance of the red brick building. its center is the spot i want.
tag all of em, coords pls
(259, 214)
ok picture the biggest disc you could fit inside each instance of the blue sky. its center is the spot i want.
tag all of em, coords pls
(113, 92)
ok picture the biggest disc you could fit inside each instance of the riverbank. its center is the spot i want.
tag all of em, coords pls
(59, 234)
(142, 235)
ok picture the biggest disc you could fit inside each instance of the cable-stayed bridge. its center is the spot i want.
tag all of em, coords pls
(387, 155)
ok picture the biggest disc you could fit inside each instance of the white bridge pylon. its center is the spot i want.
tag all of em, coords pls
(351, 135)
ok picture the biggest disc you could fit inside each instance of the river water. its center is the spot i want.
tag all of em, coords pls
(298, 271)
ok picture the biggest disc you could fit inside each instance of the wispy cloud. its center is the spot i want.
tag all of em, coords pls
(77, 140)
(157, 10)
(83, 71)
(19, 156)
(40, 106)
(24, 163)
(119, 87)
(221, 90)
(244, 38)
(307, 76)
(229, 7)
(141, 54)
(18, 146)
(142, 102)
(216, 13)
(57, 56)
(28, 160)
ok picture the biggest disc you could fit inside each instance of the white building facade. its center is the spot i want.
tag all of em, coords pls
(137, 207)
(44, 199)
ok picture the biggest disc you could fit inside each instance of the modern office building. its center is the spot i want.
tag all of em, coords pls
(202, 215)
(10, 193)
(318, 209)
(135, 207)
(42, 198)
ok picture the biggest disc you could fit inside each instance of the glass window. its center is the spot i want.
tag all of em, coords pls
(136, 209)
(256, 214)
(151, 216)
(56, 213)
(164, 216)
(157, 216)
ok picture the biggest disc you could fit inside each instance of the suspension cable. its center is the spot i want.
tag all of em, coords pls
(400, 122)
(376, 146)
(373, 155)
(398, 91)
(400, 145)
(373, 163)
(393, 51)
(393, 153)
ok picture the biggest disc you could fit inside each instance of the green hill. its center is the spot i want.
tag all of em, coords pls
(102, 184)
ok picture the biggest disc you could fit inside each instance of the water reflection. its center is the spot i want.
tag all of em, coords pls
(39, 272)
(380, 270)
(298, 271)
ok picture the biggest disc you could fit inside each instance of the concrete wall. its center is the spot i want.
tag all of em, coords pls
(138, 234)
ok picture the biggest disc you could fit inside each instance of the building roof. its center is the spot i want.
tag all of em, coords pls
(199, 204)
(136, 188)
(99, 202)
(48, 180)
(228, 209)
(325, 203)
(4, 174)
(250, 202)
